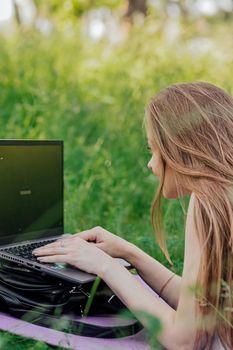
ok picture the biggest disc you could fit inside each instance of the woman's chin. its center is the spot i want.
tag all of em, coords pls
(170, 194)
(173, 194)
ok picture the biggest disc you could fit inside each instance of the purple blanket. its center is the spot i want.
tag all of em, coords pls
(71, 341)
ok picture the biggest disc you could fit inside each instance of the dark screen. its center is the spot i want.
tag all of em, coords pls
(31, 190)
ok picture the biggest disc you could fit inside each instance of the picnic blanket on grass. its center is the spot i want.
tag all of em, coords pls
(77, 342)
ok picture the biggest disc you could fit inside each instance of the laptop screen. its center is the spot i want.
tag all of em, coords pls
(31, 190)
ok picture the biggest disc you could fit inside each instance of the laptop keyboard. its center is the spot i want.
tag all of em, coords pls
(25, 251)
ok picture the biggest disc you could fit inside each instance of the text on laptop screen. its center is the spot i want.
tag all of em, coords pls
(31, 190)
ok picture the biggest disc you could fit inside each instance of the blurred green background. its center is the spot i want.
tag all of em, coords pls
(83, 72)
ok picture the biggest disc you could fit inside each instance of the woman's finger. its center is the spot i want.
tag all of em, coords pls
(54, 259)
(50, 251)
(86, 235)
(67, 235)
(50, 245)
(57, 243)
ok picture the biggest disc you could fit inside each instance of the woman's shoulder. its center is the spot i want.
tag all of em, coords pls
(189, 229)
(192, 199)
(190, 209)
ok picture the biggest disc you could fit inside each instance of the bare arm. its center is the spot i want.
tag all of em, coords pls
(154, 274)
(178, 326)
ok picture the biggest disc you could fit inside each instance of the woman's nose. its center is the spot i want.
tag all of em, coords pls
(149, 165)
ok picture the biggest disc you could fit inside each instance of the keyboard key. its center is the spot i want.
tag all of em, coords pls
(25, 251)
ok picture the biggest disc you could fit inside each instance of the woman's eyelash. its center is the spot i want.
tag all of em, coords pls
(149, 148)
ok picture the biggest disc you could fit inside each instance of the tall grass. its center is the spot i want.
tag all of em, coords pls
(93, 97)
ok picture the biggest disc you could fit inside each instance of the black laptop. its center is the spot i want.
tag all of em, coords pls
(32, 204)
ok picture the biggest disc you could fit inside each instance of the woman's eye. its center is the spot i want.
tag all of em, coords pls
(149, 149)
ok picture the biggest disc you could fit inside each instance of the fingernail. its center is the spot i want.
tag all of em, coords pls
(41, 259)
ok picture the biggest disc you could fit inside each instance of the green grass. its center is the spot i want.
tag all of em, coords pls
(93, 97)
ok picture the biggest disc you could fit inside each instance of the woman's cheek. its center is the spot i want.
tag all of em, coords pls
(154, 168)
(157, 169)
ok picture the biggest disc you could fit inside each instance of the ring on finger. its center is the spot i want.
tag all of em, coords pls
(62, 243)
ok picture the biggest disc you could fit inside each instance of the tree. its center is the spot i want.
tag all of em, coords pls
(135, 6)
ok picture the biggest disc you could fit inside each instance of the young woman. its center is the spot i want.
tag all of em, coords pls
(190, 133)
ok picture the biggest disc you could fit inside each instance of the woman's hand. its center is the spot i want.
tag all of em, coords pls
(111, 244)
(75, 251)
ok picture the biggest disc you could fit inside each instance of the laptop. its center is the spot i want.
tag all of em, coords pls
(32, 205)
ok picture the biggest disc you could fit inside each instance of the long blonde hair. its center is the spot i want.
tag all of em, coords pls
(192, 125)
